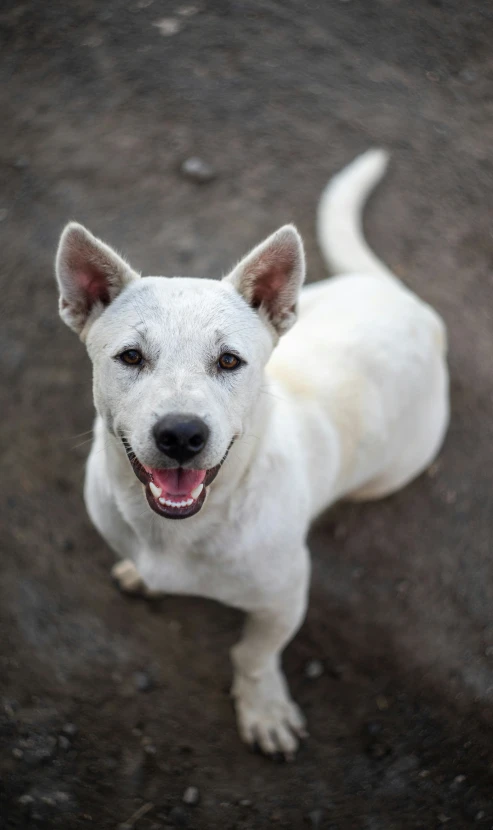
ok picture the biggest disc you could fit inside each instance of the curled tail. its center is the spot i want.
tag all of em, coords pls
(339, 222)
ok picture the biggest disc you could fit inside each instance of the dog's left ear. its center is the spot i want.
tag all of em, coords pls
(269, 278)
(90, 275)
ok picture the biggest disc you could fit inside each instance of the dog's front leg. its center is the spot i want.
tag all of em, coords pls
(266, 714)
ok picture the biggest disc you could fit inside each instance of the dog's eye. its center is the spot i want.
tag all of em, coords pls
(132, 357)
(228, 361)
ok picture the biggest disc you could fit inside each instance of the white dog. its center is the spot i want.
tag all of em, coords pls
(198, 420)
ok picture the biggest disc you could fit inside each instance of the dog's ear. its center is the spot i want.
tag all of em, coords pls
(270, 277)
(90, 275)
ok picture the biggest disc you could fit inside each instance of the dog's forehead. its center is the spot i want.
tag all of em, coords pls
(159, 299)
(181, 305)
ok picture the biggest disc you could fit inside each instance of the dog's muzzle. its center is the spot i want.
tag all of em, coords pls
(177, 493)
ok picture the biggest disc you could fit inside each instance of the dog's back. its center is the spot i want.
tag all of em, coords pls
(367, 355)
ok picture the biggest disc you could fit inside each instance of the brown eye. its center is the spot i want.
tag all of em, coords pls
(228, 361)
(131, 357)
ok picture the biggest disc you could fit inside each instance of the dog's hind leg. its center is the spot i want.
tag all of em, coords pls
(129, 581)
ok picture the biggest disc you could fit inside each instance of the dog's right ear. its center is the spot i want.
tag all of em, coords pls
(90, 275)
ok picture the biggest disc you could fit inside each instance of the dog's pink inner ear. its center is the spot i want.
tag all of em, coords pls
(270, 273)
(268, 280)
(90, 275)
(93, 285)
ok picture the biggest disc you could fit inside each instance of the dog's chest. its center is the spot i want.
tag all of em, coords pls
(204, 559)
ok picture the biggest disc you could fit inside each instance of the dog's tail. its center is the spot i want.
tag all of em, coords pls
(339, 222)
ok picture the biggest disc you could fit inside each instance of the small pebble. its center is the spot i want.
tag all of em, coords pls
(382, 703)
(168, 26)
(314, 669)
(191, 795)
(433, 469)
(479, 815)
(17, 753)
(40, 750)
(188, 11)
(26, 799)
(69, 729)
(459, 779)
(63, 742)
(198, 170)
(142, 681)
(61, 797)
(245, 802)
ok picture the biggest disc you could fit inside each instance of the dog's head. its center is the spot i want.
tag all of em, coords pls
(178, 363)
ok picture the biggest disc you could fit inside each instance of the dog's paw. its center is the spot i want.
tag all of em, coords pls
(267, 717)
(128, 578)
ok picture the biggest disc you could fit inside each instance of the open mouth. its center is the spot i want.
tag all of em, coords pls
(176, 493)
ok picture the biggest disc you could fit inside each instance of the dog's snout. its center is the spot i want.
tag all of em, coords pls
(181, 436)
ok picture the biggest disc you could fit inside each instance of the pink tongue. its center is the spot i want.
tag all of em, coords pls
(178, 482)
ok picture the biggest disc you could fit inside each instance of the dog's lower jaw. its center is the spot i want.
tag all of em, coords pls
(182, 510)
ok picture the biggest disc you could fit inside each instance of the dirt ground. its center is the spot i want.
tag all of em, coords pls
(109, 704)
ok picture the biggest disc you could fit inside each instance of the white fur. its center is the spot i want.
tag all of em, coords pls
(352, 403)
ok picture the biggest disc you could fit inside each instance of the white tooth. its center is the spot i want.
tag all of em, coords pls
(170, 503)
(196, 493)
(156, 491)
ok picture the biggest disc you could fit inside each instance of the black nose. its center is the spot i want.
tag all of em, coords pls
(181, 436)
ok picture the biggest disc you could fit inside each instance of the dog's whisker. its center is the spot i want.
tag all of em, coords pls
(272, 395)
(81, 444)
(79, 435)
